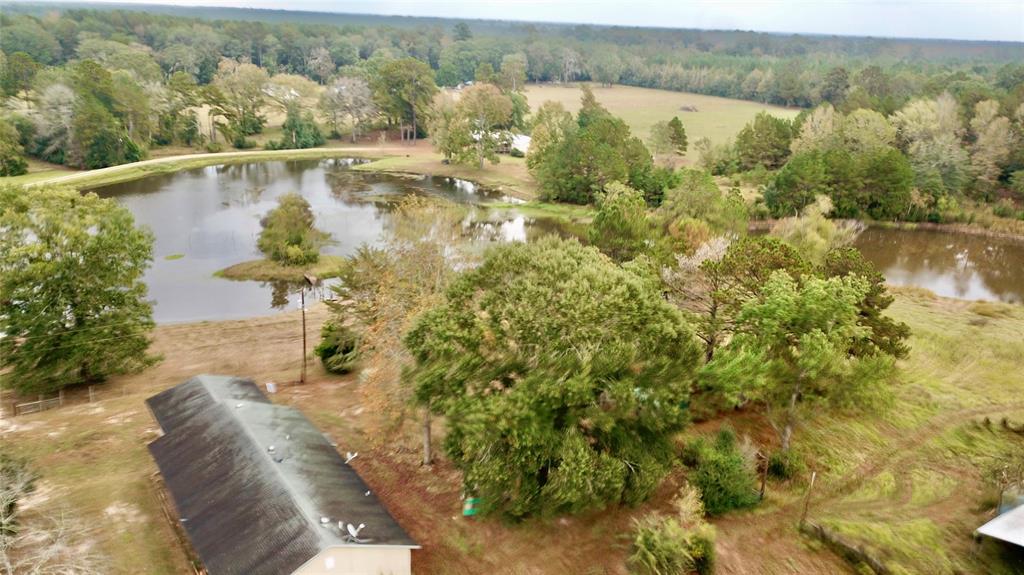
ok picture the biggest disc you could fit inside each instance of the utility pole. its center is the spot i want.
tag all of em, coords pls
(302, 300)
(309, 281)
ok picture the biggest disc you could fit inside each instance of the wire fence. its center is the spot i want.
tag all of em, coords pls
(16, 406)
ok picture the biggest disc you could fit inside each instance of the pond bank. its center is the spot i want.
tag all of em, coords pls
(964, 229)
(510, 177)
(89, 179)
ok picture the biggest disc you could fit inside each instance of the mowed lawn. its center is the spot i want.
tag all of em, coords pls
(718, 119)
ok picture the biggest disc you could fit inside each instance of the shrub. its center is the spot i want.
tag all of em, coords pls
(240, 142)
(288, 235)
(339, 347)
(1005, 208)
(214, 147)
(659, 547)
(785, 464)
(675, 544)
(516, 153)
(727, 479)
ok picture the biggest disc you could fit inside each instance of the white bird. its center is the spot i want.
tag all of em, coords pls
(349, 456)
(367, 494)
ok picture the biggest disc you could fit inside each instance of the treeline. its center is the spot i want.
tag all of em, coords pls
(919, 163)
(902, 129)
(793, 70)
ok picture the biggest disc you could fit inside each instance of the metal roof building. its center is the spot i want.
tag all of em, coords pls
(1008, 527)
(259, 490)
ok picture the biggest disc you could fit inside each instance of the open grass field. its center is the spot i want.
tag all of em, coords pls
(903, 479)
(718, 119)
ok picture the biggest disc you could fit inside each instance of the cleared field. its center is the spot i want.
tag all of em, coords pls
(718, 119)
(904, 479)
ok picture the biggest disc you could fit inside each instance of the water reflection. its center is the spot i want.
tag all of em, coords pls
(949, 264)
(210, 218)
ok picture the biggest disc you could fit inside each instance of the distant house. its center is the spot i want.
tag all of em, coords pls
(260, 491)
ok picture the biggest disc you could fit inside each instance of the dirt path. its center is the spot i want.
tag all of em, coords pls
(782, 554)
(219, 157)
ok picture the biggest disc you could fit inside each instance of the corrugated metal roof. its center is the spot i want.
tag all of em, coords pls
(249, 510)
(1007, 527)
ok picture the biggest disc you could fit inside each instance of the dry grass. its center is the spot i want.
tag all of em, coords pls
(266, 270)
(919, 458)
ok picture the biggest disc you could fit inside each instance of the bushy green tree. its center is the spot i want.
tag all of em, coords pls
(103, 141)
(886, 335)
(298, 131)
(74, 305)
(289, 236)
(12, 155)
(764, 142)
(484, 111)
(562, 378)
(677, 135)
(338, 349)
(403, 90)
(792, 348)
(725, 476)
(19, 70)
(575, 164)
(804, 177)
(696, 195)
(620, 228)
(876, 184)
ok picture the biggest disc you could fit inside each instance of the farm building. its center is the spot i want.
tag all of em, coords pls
(259, 490)
(1008, 526)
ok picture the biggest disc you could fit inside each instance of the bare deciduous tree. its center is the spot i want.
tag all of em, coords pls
(38, 545)
(349, 97)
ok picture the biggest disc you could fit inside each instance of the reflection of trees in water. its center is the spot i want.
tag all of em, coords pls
(279, 292)
(348, 186)
(936, 260)
(251, 195)
(282, 292)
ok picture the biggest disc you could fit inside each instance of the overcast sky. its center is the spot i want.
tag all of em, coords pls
(961, 19)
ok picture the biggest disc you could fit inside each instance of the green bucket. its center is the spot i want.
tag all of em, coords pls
(469, 506)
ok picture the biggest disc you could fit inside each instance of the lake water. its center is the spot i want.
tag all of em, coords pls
(207, 219)
(949, 264)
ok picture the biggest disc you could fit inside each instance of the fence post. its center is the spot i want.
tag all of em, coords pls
(764, 477)
(60, 398)
(90, 394)
(807, 499)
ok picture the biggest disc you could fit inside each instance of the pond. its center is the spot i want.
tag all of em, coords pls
(950, 264)
(207, 219)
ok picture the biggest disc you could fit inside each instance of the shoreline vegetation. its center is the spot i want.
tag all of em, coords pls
(326, 267)
(999, 228)
(406, 160)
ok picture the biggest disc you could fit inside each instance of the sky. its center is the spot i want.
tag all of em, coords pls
(956, 19)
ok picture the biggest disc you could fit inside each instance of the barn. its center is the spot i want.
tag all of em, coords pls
(258, 490)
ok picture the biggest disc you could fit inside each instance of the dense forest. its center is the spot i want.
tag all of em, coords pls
(900, 129)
